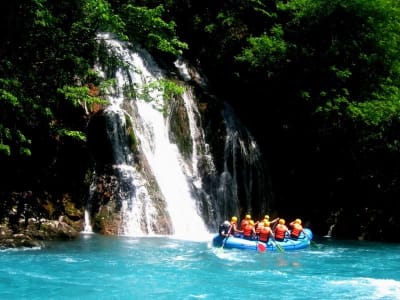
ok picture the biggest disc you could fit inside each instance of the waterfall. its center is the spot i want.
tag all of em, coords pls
(243, 186)
(240, 184)
(88, 227)
(139, 211)
(330, 231)
(162, 166)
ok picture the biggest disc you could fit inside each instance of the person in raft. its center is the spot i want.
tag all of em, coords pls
(245, 221)
(265, 232)
(225, 229)
(280, 230)
(272, 223)
(235, 230)
(260, 224)
(296, 229)
(249, 231)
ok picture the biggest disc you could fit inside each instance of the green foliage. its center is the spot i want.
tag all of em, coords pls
(23, 151)
(12, 139)
(74, 134)
(8, 97)
(167, 88)
(170, 89)
(5, 150)
(106, 85)
(146, 26)
(8, 89)
(266, 51)
(79, 96)
(98, 16)
(348, 50)
(380, 112)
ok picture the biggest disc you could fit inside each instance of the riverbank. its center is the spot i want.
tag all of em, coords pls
(34, 233)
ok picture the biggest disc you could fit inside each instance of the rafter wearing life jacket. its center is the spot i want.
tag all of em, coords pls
(280, 230)
(265, 232)
(296, 229)
(249, 231)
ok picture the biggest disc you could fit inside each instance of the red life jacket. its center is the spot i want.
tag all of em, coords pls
(264, 234)
(280, 231)
(296, 230)
(243, 224)
(248, 230)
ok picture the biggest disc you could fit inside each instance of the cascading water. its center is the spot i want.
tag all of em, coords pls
(164, 187)
(87, 228)
(243, 165)
(239, 184)
(162, 157)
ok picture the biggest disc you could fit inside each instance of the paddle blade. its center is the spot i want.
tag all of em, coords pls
(280, 248)
(261, 247)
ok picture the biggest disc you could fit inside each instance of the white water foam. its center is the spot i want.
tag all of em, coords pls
(163, 157)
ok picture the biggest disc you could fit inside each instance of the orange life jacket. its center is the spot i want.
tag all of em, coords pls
(264, 234)
(296, 230)
(248, 230)
(243, 224)
(280, 231)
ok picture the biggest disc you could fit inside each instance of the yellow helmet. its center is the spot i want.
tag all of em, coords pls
(281, 221)
(251, 222)
(247, 217)
(266, 223)
(298, 221)
(234, 219)
(266, 217)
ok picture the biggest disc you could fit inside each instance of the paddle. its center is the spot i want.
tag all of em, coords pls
(261, 247)
(226, 238)
(223, 243)
(279, 247)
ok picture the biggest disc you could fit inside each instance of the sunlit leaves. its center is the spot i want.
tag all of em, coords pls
(79, 95)
(13, 142)
(8, 97)
(74, 134)
(265, 51)
(98, 16)
(380, 111)
(147, 26)
(12, 139)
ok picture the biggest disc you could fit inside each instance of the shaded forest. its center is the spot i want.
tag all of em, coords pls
(316, 82)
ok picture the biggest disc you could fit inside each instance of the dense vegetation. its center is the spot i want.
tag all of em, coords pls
(316, 81)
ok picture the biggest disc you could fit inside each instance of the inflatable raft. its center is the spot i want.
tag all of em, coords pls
(287, 245)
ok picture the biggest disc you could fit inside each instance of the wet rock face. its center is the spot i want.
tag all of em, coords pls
(179, 129)
(36, 233)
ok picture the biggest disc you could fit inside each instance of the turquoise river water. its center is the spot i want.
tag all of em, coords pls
(100, 267)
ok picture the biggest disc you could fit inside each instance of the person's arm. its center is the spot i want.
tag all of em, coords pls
(253, 230)
(271, 233)
(230, 230)
(236, 230)
(274, 221)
